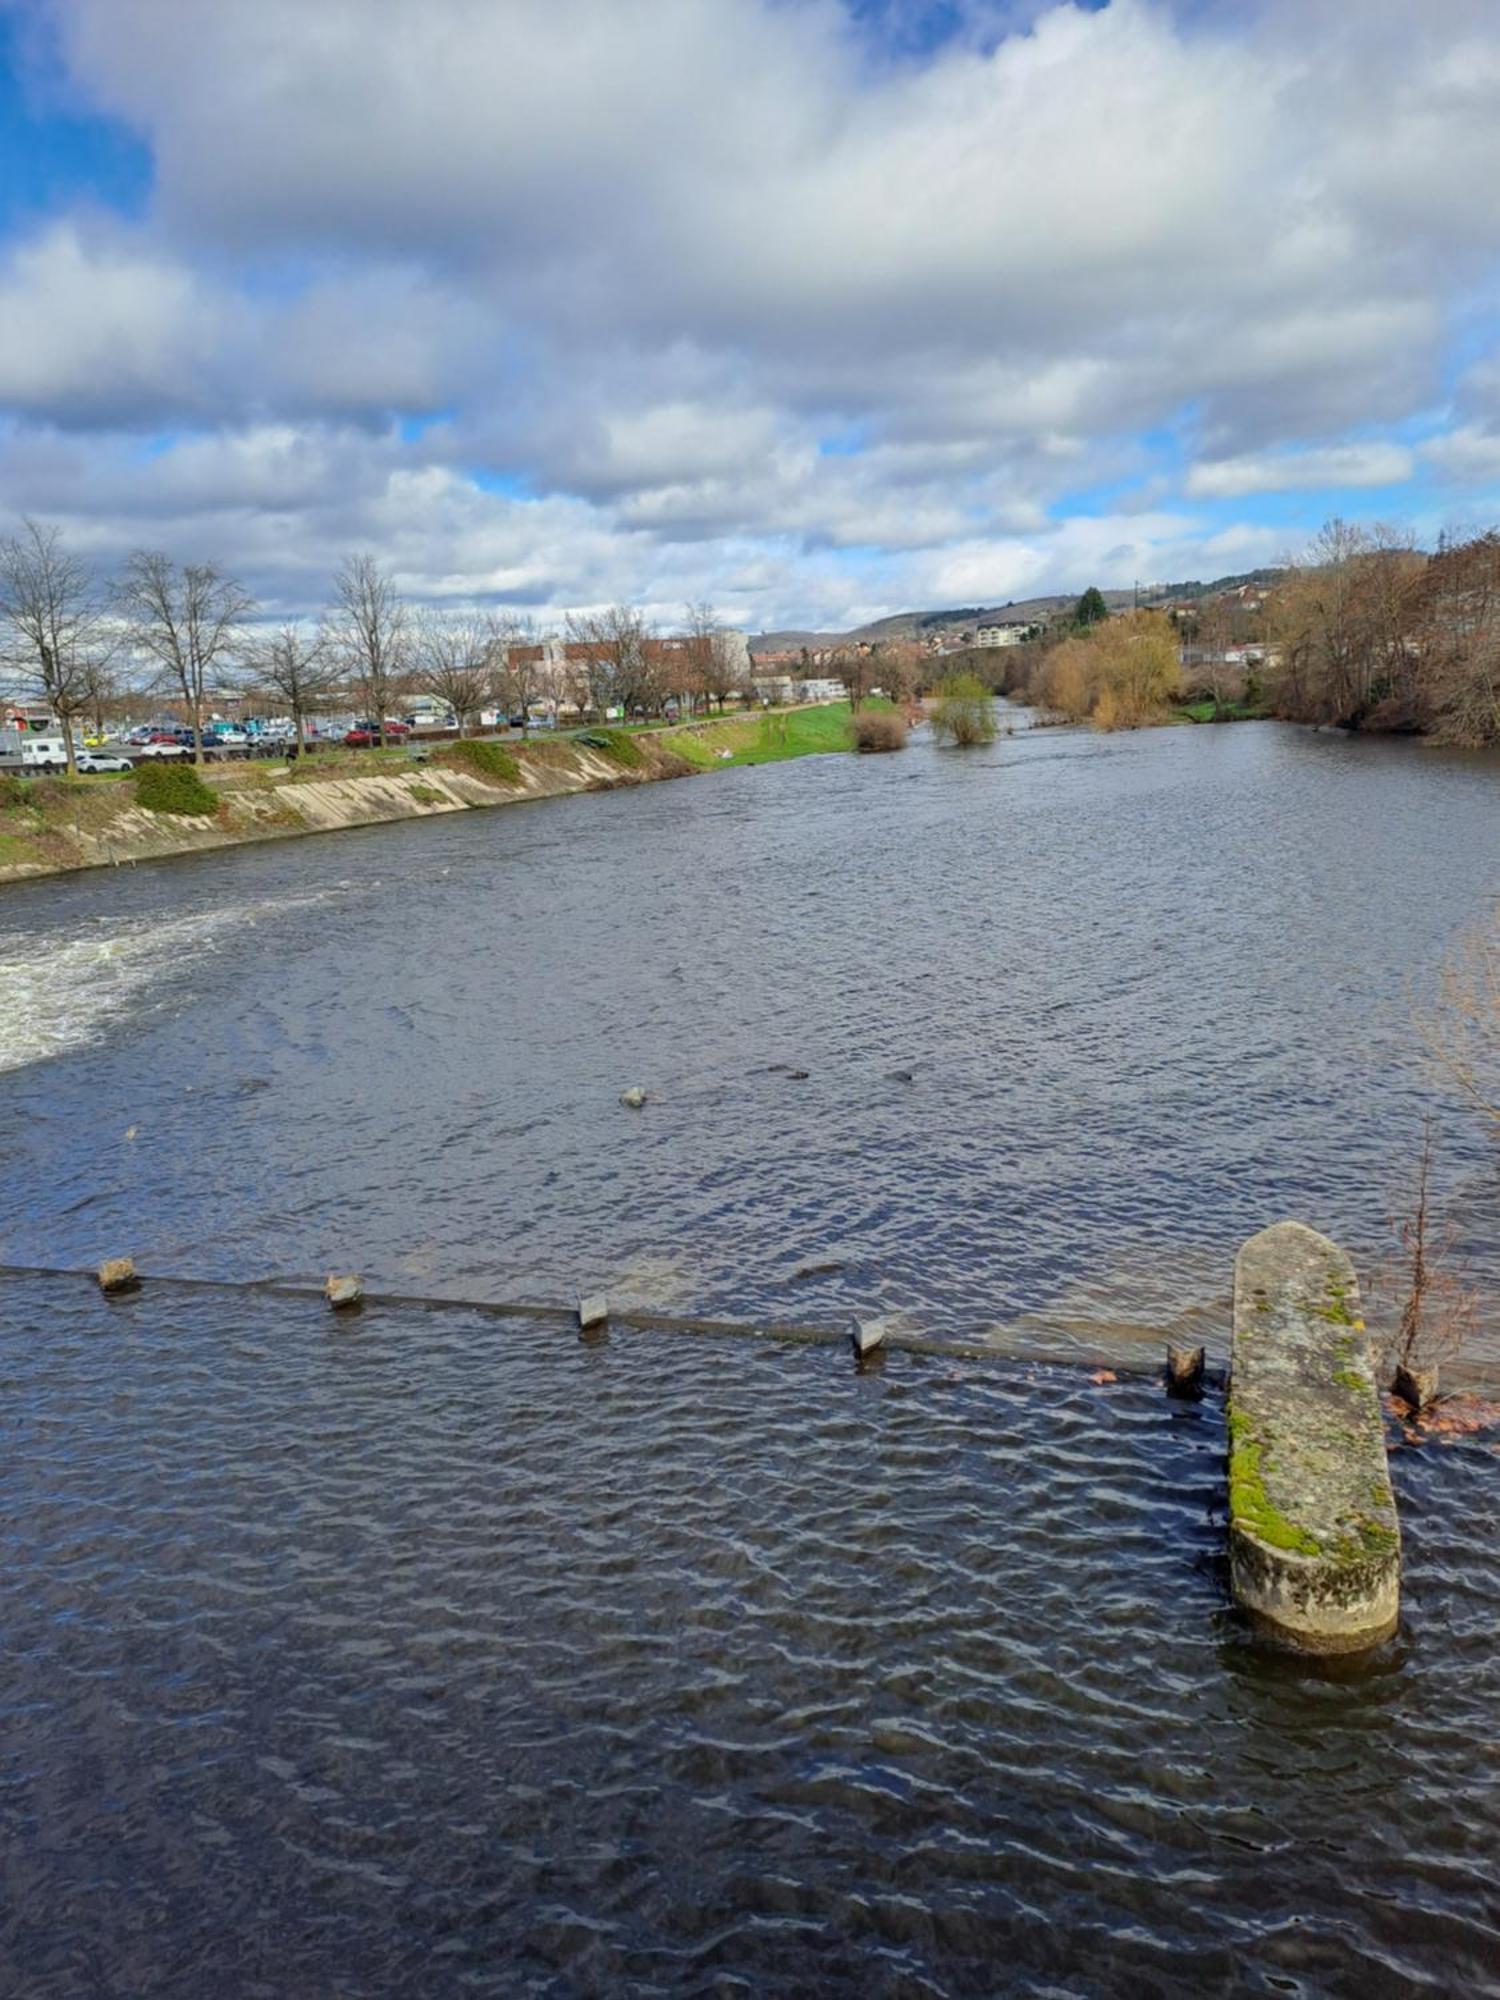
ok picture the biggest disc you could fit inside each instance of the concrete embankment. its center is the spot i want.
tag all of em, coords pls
(1314, 1544)
(47, 827)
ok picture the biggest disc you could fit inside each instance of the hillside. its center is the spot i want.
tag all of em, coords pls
(1030, 610)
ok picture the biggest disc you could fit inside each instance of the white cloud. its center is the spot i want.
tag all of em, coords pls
(724, 298)
(1370, 464)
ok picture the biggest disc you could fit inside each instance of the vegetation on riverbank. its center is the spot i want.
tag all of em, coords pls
(877, 730)
(965, 714)
(484, 758)
(1119, 673)
(174, 788)
(1364, 631)
(52, 824)
(771, 738)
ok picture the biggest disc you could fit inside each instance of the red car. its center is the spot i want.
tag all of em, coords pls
(364, 734)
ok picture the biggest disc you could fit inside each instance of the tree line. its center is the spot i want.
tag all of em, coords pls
(80, 643)
(1363, 630)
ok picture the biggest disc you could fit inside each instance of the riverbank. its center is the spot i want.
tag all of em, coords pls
(54, 826)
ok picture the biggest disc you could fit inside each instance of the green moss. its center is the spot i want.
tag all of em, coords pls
(490, 761)
(427, 795)
(1351, 1379)
(1335, 1308)
(1250, 1505)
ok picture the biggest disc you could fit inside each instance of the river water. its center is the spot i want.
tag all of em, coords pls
(443, 1654)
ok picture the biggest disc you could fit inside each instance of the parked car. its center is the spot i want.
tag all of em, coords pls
(96, 763)
(43, 753)
(161, 746)
(363, 734)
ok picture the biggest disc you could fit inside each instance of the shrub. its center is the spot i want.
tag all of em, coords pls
(490, 761)
(1065, 682)
(964, 715)
(173, 788)
(877, 729)
(614, 743)
(1119, 675)
(1138, 670)
(12, 791)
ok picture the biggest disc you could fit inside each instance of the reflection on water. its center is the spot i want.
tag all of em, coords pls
(449, 1655)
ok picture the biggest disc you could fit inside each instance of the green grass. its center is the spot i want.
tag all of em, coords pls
(1227, 711)
(487, 760)
(614, 743)
(14, 849)
(768, 739)
(174, 788)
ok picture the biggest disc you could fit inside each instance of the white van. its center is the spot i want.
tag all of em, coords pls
(43, 753)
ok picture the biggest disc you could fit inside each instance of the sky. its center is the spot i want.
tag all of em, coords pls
(815, 309)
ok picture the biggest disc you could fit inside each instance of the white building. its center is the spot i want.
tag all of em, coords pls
(1008, 634)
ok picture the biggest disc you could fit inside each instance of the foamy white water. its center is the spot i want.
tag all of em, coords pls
(64, 993)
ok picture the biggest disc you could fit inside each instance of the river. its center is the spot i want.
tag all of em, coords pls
(448, 1655)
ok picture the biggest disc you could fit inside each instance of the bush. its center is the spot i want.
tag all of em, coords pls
(12, 791)
(877, 729)
(1065, 682)
(173, 788)
(614, 743)
(490, 761)
(1122, 674)
(964, 715)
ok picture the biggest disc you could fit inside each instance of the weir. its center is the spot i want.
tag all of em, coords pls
(1314, 1542)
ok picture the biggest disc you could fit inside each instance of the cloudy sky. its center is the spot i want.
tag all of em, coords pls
(816, 308)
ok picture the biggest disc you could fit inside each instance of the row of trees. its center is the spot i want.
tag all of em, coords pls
(1364, 630)
(1368, 631)
(78, 643)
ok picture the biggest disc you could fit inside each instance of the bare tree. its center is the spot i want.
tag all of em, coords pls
(699, 655)
(615, 653)
(520, 661)
(56, 638)
(1437, 1308)
(101, 686)
(851, 665)
(371, 636)
(1456, 616)
(458, 660)
(188, 621)
(728, 668)
(1460, 1022)
(301, 673)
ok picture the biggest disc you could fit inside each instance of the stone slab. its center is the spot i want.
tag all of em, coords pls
(1314, 1541)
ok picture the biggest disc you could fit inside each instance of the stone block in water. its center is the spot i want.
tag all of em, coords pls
(1314, 1542)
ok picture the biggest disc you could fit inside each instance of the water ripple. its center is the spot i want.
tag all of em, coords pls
(448, 1655)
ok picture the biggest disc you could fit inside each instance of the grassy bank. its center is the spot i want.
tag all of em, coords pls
(49, 825)
(766, 739)
(1223, 711)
